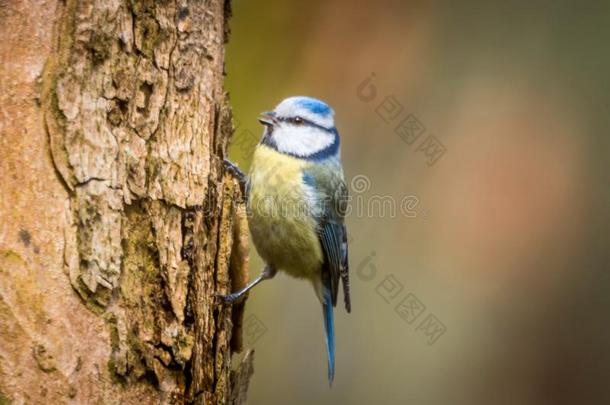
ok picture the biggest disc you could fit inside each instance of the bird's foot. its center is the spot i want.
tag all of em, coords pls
(230, 299)
(237, 173)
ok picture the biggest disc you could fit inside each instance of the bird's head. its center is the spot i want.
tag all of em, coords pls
(303, 127)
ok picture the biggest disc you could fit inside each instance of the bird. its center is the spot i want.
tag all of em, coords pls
(296, 198)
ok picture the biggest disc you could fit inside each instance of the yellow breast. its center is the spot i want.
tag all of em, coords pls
(282, 230)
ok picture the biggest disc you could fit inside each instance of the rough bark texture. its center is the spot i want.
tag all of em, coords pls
(117, 224)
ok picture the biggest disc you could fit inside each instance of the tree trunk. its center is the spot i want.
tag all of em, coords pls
(117, 222)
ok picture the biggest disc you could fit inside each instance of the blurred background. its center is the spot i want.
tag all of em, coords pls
(475, 138)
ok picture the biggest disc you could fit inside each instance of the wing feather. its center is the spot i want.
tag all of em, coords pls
(330, 185)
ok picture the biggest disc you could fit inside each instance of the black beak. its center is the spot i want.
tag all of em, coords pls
(267, 119)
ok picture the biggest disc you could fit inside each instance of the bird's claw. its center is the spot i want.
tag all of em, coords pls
(237, 173)
(233, 169)
(228, 299)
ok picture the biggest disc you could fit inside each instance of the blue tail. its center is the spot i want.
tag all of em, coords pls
(327, 309)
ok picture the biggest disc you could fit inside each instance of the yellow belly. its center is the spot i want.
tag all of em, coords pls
(282, 231)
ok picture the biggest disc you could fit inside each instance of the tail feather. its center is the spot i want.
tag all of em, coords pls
(327, 309)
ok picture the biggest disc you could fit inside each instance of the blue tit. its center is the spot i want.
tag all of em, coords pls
(297, 198)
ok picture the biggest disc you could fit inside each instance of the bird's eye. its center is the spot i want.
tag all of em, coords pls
(298, 120)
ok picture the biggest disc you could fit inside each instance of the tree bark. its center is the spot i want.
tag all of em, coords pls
(118, 223)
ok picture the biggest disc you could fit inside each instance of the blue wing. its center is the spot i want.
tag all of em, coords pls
(331, 194)
(332, 203)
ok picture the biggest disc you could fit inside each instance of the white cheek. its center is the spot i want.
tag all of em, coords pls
(302, 141)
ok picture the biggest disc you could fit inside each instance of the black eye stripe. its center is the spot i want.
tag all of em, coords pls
(295, 120)
(303, 121)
